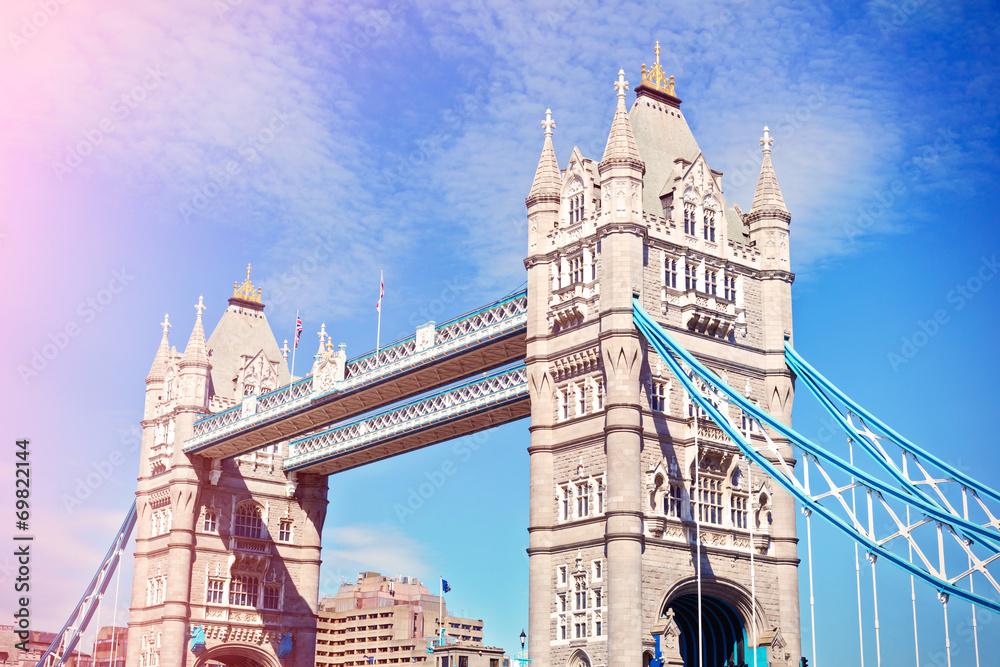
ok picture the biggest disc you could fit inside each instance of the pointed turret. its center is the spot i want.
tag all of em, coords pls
(195, 368)
(621, 147)
(768, 218)
(548, 178)
(196, 352)
(159, 367)
(768, 197)
(546, 191)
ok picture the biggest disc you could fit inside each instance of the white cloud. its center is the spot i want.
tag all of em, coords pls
(349, 550)
(738, 66)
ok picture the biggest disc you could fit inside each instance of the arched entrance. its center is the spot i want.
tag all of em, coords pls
(235, 655)
(723, 631)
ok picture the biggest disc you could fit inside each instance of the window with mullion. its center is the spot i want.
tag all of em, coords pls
(689, 217)
(670, 273)
(243, 591)
(729, 284)
(690, 276)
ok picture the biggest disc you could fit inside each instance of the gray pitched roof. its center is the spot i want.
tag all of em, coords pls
(662, 136)
(242, 330)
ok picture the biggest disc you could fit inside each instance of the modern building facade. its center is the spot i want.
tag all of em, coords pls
(386, 621)
(110, 647)
(613, 437)
(464, 654)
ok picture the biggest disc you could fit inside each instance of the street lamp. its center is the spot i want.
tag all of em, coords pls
(521, 659)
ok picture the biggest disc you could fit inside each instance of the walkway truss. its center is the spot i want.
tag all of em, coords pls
(929, 519)
(482, 340)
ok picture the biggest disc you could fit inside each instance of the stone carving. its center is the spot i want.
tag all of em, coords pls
(425, 336)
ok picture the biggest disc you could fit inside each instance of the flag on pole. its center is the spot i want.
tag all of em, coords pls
(298, 328)
(445, 586)
(381, 292)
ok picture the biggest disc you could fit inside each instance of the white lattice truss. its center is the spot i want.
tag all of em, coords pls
(471, 398)
(499, 319)
(946, 557)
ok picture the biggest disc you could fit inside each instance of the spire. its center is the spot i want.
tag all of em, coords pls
(621, 146)
(767, 197)
(158, 369)
(548, 179)
(196, 352)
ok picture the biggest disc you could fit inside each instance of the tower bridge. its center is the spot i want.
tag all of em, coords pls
(652, 352)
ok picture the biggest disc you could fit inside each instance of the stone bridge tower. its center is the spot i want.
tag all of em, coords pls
(612, 537)
(227, 552)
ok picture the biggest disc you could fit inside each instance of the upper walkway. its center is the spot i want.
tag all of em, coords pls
(468, 408)
(460, 348)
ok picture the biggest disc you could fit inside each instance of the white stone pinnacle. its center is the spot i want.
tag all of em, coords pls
(548, 124)
(621, 85)
(166, 324)
(200, 308)
(766, 141)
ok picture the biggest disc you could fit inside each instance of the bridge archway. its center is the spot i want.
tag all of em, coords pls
(236, 655)
(727, 613)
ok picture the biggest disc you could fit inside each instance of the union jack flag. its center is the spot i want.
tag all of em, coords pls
(298, 328)
(381, 292)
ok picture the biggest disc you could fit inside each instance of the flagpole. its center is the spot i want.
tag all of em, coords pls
(294, 347)
(378, 332)
(440, 602)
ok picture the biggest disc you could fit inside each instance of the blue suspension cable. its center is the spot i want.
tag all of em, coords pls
(664, 344)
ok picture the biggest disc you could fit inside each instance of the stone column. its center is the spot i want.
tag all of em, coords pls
(541, 515)
(184, 489)
(622, 353)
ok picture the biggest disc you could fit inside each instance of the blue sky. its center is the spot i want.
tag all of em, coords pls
(404, 136)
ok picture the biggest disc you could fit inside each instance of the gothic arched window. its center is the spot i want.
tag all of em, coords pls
(689, 215)
(243, 591)
(249, 521)
(709, 226)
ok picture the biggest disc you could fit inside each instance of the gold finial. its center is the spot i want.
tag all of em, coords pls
(655, 78)
(246, 290)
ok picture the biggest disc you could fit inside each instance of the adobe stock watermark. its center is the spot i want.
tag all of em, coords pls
(749, 168)
(86, 312)
(418, 496)
(883, 200)
(101, 470)
(33, 24)
(248, 151)
(899, 16)
(121, 109)
(959, 298)
(366, 30)
(322, 249)
(433, 144)
(434, 308)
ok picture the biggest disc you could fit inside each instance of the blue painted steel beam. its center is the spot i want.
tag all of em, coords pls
(664, 344)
